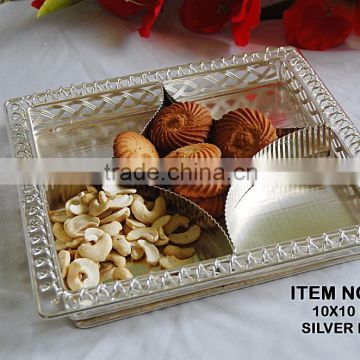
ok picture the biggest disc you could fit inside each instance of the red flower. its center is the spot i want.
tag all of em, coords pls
(209, 16)
(125, 8)
(321, 24)
(37, 3)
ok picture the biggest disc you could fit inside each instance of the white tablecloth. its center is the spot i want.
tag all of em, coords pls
(85, 43)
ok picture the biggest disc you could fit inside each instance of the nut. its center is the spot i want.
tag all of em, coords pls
(187, 237)
(98, 251)
(151, 252)
(121, 245)
(105, 214)
(170, 262)
(87, 198)
(175, 222)
(113, 190)
(74, 227)
(146, 216)
(74, 243)
(134, 224)
(161, 221)
(178, 252)
(137, 252)
(93, 234)
(120, 216)
(75, 206)
(64, 262)
(146, 233)
(58, 215)
(117, 259)
(59, 233)
(112, 228)
(163, 239)
(138, 197)
(103, 199)
(122, 273)
(82, 273)
(96, 208)
(120, 201)
(106, 271)
(91, 189)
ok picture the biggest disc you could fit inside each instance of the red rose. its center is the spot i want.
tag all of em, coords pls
(209, 16)
(320, 24)
(125, 8)
(37, 3)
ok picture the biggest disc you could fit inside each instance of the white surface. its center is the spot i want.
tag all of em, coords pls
(85, 43)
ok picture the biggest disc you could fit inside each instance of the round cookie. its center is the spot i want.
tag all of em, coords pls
(129, 144)
(180, 124)
(243, 132)
(215, 206)
(199, 151)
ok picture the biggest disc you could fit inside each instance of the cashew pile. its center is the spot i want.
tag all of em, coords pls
(98, 233)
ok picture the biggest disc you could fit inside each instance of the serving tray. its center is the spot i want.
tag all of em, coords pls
(81, 121)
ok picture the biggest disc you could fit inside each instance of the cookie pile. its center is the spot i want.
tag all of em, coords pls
(185, 130)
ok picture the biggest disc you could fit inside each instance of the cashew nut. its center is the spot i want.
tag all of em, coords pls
(58, 215)
(93, 234)
(122, 273)
(163, 239)
(120, 201)
(60, 245)
(74, 243)
(105, 214)
(138, 197)
(161, 221)
(175, 222)
(97, 252)
(117, 259)
(87, 198)
(59, 233)
(91, 189)
(120, 216)
(146, 216)
(82, 273)
(74, 227)
(134, 224)
(64, 261)
(187, 237)
(178, 252)
(75, 206)
(106, 271)
(169, 262)
(96, 208)
(113, 190)
(151, 252)
(112, 228)
(121, 245)
(146, 233)
(137, 252)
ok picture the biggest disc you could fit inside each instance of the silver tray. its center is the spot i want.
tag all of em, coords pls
(81, 120)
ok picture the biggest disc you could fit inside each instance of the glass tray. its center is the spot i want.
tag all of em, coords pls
(81, 121)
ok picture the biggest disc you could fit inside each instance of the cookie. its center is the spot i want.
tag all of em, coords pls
(180, 124)
(129, 144)
(205, 189)
(243, 132)
(215, 206)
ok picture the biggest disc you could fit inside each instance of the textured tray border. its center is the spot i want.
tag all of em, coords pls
(53, 301)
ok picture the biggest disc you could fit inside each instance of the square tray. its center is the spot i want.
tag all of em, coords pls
(81, 120)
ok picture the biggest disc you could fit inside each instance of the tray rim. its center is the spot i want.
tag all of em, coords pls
(346, 131)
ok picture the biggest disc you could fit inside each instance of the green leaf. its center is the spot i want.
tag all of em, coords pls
(54, 5)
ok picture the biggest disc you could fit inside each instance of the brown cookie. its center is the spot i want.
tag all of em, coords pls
(215, 206)
(206, 188)
(243, 132)
(129, 144)
(180, 124)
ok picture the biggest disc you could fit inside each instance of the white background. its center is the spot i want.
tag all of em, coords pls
(85, 43)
